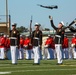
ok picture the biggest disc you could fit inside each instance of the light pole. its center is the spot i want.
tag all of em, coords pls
(6, 12)
(7, 21)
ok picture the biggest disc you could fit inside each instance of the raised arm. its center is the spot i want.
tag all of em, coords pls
(70, 26)
(74, 21)
(52, 24)
(72, 29)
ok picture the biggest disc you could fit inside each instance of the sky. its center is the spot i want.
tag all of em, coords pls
(22, 10)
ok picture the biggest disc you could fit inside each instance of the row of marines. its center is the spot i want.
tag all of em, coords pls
(16, 43)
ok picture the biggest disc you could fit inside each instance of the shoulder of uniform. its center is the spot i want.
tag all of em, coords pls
(10, 31)
(40, 31)
(33, 31)
(17, 31)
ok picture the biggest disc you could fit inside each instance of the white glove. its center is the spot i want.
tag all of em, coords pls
(30, 44)
(46, 46)
(72, 45)
(50, 17)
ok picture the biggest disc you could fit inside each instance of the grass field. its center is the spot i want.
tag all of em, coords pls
(47, 67)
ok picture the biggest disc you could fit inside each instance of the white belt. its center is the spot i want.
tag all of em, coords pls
(36, 38)
(58, 36)
(13, 38)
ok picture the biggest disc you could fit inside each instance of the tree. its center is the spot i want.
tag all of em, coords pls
(22, 29)
(46, 29)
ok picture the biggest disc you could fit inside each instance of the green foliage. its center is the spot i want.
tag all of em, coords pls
(47, 29)
(22, 29)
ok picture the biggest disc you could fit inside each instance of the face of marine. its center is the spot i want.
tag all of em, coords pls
(60, 25)
(13, 27)
(37, 28)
